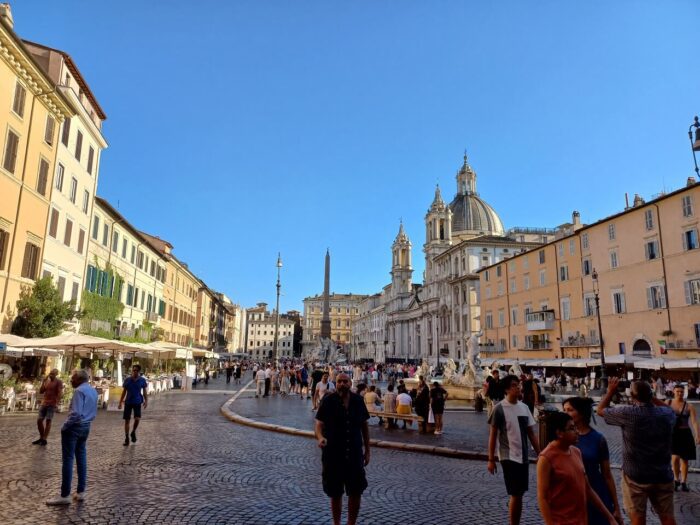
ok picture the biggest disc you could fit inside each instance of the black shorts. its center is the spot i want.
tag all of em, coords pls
(129, 407)
(516, 476)
(337, 479)
(304, 384)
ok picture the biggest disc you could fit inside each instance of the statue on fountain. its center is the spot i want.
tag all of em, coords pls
(474, 376)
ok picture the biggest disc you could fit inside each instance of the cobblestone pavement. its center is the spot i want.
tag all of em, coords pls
(192, 466)
(463, 429)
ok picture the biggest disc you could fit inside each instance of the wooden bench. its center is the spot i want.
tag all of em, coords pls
(394, 415)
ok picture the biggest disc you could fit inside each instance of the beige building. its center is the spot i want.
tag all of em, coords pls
(542, 303)
(75, 178)
(261, 333)
(31, 113)
(138, 268)
(344, 308)
(180, 295)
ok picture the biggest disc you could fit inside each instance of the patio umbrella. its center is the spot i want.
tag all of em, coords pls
(15, 340)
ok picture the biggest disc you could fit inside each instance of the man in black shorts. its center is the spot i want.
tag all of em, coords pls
(134, 385)
(343, 435)
(512, 425)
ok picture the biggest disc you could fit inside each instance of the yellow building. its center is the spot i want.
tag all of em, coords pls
(31, 113)
(646, 261)
(343, 311)
(180, 296)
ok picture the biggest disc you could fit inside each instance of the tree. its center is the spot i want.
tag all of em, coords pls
(41, 311)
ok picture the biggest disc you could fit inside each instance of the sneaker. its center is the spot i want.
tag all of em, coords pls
(133, 437)
(79, 496)
(126, 441)
(676, 485)
(59, 501)
(39, 441)
(684, 487)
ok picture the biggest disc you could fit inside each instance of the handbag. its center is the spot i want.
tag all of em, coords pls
(431, 416)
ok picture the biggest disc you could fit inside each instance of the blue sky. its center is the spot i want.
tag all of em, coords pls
(240, 129)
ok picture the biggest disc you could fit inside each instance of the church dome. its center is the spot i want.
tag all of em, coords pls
(471, 215)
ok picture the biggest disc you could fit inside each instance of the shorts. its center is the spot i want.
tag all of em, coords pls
(635, 496)
(516, 476)
(46, 412)
(304, 384)
(336, 480)
(129, 407)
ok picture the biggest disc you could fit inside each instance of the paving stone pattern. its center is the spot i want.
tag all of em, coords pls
(193, 466)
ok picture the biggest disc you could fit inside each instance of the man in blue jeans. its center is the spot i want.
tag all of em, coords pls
(133, 386)
(74, 434)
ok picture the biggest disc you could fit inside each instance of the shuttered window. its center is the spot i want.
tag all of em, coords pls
(81, 241)
(48, 131)
(68, 233)
(656, 298)
(11, 146)
(60, 171)
(20, 97)
(66, 132)
(95, 227)
(30, 262)
(692, 291)
(4, 238)
(43, 177)
(91, 159)
(53, 223)
(61, 285)
(690, 239)
(73, 189)
(78, 145)
(74, 292)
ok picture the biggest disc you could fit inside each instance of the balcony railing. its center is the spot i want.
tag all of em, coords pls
(683, 345)
(582, 340)
(543, 320)
(532, 347)
(492, 349)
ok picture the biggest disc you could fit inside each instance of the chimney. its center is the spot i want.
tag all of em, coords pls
(627, 201)
(576, 218)
(690, 182)
(6, 15)
(638, 201)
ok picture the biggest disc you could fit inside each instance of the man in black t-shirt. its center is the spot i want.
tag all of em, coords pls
(494, 390)
(343, 436)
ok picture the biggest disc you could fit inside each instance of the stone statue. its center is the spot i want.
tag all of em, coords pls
(515, 370)
(423, 370)
(449, 374)
(474, 376)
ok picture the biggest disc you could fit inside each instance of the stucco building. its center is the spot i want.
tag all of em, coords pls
(647, 263)
(31, 114)
(343, 311)
(75, 179)
(260, 333)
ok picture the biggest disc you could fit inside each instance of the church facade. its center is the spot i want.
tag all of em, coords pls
(433, 320)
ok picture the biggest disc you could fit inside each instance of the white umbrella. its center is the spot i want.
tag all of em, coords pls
(15, 340)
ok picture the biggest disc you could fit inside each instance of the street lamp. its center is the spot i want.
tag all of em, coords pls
(277, 310)
(695, 145)
(603, 372)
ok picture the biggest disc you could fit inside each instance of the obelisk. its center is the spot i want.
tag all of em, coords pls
(326, 320)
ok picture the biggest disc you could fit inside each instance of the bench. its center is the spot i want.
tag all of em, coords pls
(394, 415)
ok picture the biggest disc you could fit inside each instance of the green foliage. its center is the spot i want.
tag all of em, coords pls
(41, 311)
(100, 307)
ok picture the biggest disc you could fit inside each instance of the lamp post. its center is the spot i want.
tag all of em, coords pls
(277, 311)
(695, 145)
(603, 372)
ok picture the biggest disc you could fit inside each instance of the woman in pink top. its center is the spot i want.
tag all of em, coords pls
(562, 487)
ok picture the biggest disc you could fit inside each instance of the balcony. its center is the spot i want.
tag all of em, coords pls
(683, 345)
(492, 349)
(536, 346)
(579, 341)
(538, 321)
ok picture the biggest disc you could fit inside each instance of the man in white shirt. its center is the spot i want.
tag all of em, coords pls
(323, 387)
(512, 425)
(259, 382)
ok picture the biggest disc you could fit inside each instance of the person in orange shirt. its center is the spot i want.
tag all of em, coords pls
(52, 388)
(563, 490)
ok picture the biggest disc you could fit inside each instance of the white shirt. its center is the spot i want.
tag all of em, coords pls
(268, 373)
(260, 375)
(403, 399)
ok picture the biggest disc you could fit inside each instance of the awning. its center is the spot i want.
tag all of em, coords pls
(689, 364)
(655, 363)
(32, 352)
